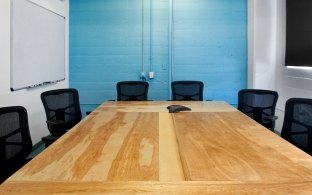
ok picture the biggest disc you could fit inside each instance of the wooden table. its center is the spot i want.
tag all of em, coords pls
(139, 148)
(161, 106)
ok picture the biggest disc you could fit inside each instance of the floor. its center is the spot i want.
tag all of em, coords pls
(38, 147)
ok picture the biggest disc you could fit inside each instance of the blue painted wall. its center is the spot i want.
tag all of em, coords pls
(209, 44)
(106, 47)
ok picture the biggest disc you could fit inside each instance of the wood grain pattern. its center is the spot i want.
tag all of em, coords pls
(155, 188)
(105, 147)
(218, 150)
(161, 106)
(223, 147)
(170, 167)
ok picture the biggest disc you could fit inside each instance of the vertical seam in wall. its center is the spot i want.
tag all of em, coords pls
(150, 54)
(170, 42)
(274, 57)
(11, 37)
(142, 57)
(250, 44)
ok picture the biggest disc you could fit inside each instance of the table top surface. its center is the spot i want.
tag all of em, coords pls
(227, 146)
(161, 106)
(122, 149)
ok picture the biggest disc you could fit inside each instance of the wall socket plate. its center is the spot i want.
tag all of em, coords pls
(151, 75)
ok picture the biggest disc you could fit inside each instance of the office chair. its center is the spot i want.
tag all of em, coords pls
(15, 140)
(132, 91)
(259, 105)
(62, 110)
(297, 125)
(187, 90)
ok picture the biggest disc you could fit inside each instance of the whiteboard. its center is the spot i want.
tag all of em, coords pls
(37, 45)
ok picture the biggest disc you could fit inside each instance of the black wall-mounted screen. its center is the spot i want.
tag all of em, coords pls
(298, 33)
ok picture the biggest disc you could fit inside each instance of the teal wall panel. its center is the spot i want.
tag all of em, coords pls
(106, 47)
(209, 44)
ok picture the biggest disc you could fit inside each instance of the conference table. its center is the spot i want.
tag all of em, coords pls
(139, 148)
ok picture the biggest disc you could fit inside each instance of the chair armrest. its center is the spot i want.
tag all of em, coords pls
(56, 127)
(270, 118)
(48, 140)
(55, 122)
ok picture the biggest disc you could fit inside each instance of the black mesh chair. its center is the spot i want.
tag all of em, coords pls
(62, 110)
(15, 140)
(132, 91)
(187, 90)
(297, 125)
(259, 105)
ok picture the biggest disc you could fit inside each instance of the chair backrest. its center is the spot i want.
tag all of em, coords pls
(258, 104)
(62, 105)
(187, 90)
(15, 140)
(132, 90)
(297, 125)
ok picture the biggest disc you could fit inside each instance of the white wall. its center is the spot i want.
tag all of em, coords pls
(29, 98)
(262, 43)
(267, 54)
